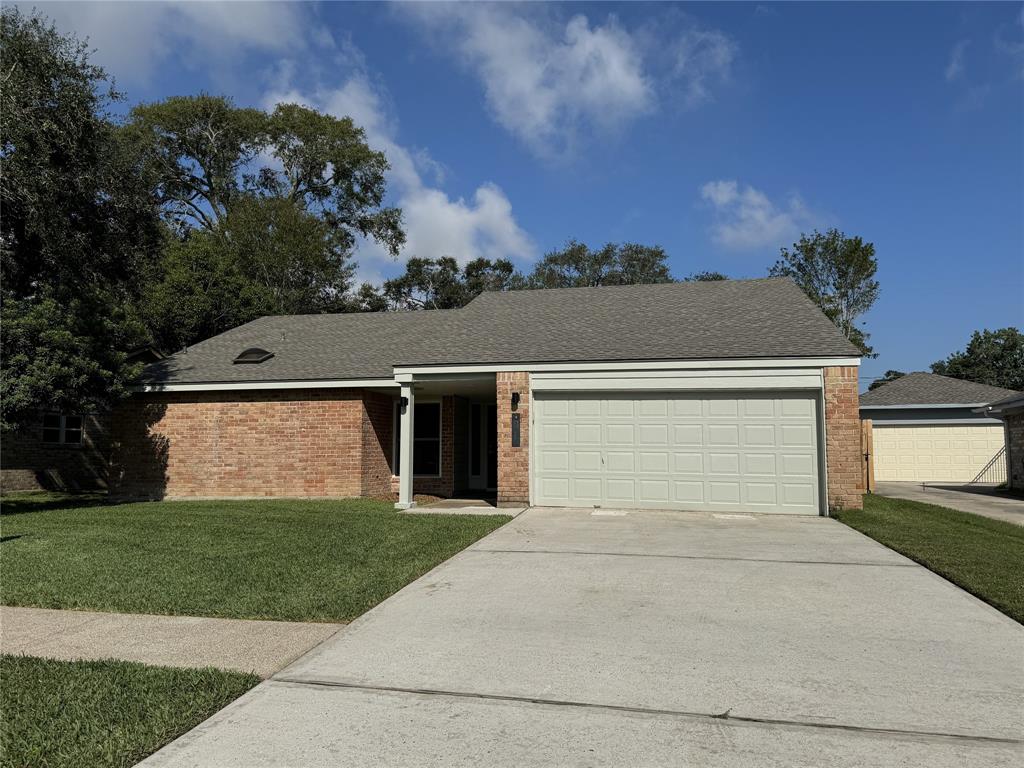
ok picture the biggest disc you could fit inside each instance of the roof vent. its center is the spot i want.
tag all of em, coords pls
(253, 355)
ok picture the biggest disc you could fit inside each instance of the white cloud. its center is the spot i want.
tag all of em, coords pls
(133, 39)
(746, 218)
(435, 224)
(955, 67)
(545, 81)
(703, 58)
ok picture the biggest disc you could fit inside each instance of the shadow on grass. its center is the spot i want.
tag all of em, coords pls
(43, 501)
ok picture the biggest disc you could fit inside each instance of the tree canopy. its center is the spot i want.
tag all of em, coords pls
(991, 357)
(838, 274)
(438, 284)
(576, 265)
(78, 231)
(890, 375)
(263, 210)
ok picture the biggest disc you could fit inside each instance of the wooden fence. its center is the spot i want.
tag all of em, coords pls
(867, 456)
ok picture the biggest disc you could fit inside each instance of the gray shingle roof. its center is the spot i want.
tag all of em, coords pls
(932, 389)
(763, 318)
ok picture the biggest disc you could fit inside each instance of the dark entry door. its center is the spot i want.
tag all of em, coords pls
(492, 446)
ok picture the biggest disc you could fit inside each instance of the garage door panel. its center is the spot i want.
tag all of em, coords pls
(690, 449)
(934, 453)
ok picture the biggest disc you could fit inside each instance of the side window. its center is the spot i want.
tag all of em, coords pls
(61, 429)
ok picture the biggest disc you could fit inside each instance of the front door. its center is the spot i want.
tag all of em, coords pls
(483, 446)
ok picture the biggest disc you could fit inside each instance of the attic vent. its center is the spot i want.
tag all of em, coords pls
(253, 355)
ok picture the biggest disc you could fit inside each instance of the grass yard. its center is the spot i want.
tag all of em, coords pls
(289, 560)
(978, 554)
(102, 713)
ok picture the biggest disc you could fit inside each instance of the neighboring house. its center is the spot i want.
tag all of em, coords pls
(1011, 411)
(732, 395)
(61, 451)
(925, 429)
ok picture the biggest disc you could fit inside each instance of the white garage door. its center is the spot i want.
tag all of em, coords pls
(702, 451)
(933, 453)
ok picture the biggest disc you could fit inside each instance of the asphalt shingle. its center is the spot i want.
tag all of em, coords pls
(734, 319)
(933, 389)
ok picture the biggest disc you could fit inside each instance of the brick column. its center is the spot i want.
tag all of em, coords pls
(842, 438)
(513, 463)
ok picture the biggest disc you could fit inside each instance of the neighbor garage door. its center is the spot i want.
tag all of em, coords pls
(934, 453)
(701, 451)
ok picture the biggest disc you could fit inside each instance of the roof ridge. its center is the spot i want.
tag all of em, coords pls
(671, 283)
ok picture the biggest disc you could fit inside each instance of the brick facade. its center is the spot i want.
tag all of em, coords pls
(332, 442)
(1015, 450)
(842, 438)
(29, 464)
(513, 463)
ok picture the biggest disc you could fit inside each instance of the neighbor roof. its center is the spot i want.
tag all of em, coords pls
(933, 389)
(729, 319)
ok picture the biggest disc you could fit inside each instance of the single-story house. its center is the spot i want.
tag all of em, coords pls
(1011, 411)
(732, 395)
(925, 428)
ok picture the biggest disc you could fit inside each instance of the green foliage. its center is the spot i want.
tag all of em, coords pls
(439, 284)
(79, 228)
(991, 357)
(838, 274)
(107, 714)
(890, 375)
(576, 265)
(266, 208)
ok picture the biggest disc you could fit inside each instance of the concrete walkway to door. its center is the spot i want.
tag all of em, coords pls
(582, 637)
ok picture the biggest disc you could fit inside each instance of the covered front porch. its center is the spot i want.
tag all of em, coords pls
(446, 429)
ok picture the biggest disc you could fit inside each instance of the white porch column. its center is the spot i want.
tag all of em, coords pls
(405, 451)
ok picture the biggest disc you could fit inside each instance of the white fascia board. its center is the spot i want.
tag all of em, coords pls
(636, 365)
(752, 381)
(864, 407)
(935, 423)
(229, 386)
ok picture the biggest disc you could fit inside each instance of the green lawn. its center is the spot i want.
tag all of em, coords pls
(285, 560)
(102, 713)
(981, 555)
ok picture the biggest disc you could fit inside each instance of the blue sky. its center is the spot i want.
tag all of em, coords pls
(719, 132)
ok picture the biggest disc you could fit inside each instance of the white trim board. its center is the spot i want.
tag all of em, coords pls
(227, 386)
(726, 381)
(404, 371)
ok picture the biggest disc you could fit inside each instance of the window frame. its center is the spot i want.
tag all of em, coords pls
(397, 432)
(62, 429)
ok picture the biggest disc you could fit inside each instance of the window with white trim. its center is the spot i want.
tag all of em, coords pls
(62, 429)
(426, 443)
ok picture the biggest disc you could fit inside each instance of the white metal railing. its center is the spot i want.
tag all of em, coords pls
(994, 471)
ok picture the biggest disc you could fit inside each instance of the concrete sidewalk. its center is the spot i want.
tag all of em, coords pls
(262, 647)
(976, 499)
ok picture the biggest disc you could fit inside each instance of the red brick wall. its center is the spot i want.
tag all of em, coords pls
(842, 438)
(29, 464)
(267, 443)
(378, 436)
(513, 463)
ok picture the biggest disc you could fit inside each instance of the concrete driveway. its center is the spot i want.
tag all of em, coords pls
(580, 637)
(982, 500)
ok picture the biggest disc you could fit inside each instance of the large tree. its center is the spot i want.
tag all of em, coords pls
(267, 209)
(991, 357)
(576, 265)
(77, 230)
(838, 274)
(438, 284)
